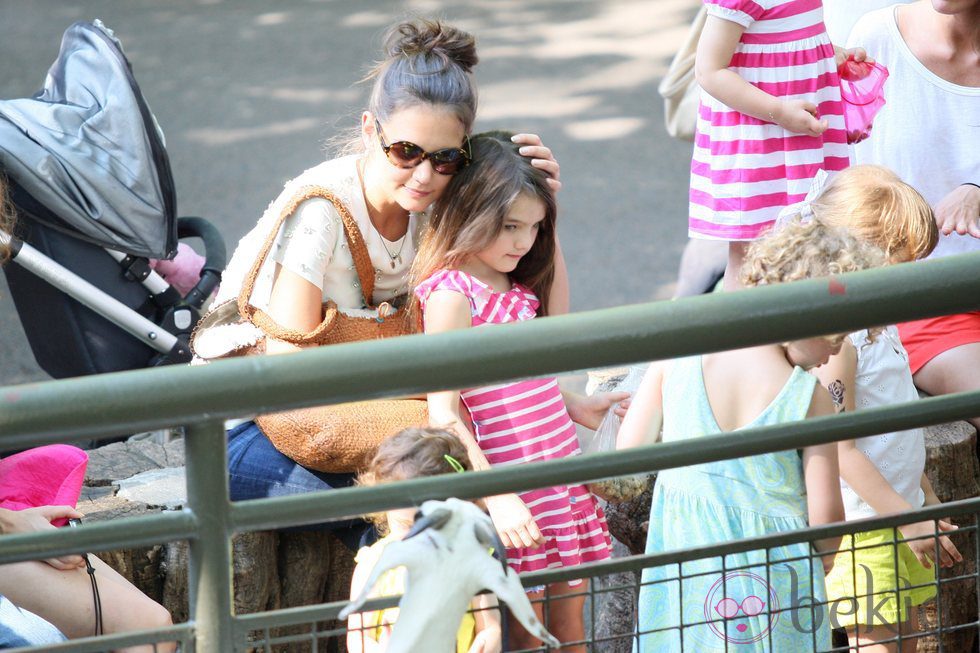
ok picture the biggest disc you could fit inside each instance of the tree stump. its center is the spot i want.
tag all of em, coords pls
(615, 595)
(271, 569)
(953, 470)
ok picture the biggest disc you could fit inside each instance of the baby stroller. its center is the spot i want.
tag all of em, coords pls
(90, 180)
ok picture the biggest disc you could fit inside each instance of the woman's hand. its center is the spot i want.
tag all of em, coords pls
(541, 157)
(33, 520)
(925, 549)
(800, 117)
(589, 411)
(959, 211)
(514, 522)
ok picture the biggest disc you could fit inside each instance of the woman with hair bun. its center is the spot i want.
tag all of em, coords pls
(413, 137)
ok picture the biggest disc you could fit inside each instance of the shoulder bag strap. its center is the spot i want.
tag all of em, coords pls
(358, 250)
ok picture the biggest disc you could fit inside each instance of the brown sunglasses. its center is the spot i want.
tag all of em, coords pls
(405, 154)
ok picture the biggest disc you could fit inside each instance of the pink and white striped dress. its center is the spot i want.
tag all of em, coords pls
(525, 421)
(745, 170)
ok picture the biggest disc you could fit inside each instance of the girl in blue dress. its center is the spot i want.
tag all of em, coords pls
(750, 601)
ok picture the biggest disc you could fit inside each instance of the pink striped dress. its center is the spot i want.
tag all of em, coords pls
(745, 170)
(525, 421)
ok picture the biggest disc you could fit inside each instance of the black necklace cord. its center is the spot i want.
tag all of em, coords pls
(96, 599)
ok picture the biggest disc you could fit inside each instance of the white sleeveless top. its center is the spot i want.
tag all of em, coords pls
(883, 378)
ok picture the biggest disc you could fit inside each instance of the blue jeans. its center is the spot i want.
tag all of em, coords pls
(22, 628)
(257, 470)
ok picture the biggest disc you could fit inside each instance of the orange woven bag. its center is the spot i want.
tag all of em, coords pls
(342, 437)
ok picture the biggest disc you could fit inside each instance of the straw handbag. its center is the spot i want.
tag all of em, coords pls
(679, 88)
(342, 437)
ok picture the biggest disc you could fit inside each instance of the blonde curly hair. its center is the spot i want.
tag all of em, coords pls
(807, 250)
(880, 208)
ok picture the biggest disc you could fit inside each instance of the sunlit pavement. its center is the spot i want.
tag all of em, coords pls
(248, 94)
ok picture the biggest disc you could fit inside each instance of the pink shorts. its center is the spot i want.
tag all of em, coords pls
(926, 339)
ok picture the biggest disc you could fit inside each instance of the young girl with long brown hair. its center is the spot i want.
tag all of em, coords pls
(488, 259)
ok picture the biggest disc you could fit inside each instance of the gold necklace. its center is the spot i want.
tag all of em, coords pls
(397, 256)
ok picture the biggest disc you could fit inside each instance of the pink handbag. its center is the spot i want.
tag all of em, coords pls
(44, 476)
(861, 89)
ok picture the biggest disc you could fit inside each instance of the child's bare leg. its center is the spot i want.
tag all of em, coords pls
(565, 614)
(519, 639)
(736, 256)
(64, 598)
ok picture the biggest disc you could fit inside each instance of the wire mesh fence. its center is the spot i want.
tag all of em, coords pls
(748, 595)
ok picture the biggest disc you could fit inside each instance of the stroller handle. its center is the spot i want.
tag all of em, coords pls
(215, 257)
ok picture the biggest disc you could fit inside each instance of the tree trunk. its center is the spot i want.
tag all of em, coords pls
(952, 468)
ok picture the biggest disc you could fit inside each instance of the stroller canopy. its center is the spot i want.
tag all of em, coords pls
(87, 150)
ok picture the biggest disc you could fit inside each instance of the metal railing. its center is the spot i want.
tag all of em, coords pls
(200, 398)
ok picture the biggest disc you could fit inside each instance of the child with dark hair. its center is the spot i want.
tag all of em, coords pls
(412, 453)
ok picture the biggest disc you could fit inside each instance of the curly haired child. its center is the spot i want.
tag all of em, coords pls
(751, 605)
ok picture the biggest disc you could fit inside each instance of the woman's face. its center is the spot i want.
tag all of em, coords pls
(429, 127)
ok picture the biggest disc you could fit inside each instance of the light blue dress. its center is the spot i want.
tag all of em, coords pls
(747, 606)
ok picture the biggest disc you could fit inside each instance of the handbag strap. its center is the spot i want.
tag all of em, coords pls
(358, 250)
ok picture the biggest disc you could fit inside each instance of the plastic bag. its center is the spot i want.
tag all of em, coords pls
(621, 488)
(861, 89)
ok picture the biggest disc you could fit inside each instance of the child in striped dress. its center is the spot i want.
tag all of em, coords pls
(486, 260)
(770, 117)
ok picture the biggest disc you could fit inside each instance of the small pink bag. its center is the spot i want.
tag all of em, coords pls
(43, 476)
(861, 89)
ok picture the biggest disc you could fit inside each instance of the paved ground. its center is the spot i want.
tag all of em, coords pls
(248, 92)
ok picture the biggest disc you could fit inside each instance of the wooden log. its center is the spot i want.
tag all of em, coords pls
(954, 472)
(271, 569)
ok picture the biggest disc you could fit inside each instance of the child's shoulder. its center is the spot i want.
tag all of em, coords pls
(454, 280)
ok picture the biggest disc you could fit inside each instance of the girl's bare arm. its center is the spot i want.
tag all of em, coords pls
(822, 478)
(644, 419)
(446, 310)
(715, 49)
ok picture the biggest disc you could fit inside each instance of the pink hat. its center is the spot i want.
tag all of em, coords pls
(44, 476)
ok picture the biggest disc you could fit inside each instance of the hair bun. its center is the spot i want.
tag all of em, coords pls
(424, 38)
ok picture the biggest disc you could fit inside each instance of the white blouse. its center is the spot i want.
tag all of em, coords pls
(311, 243)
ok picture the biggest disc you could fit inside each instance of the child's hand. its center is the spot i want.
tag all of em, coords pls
(514, 522)
(487, 640)
(858, 54)
(925, 549)
(800, 117)
(589, 411)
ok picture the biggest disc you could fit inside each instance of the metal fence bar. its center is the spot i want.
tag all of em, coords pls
(145, 530)
(210, 581)
(176, 633)
(125, 402)
(310, 508)
(328, 611)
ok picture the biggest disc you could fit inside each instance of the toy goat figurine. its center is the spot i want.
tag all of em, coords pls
(448, 562)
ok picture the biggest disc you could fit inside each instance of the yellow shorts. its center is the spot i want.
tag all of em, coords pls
(863, 587)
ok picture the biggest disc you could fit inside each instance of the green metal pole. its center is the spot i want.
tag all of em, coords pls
(125, 402)
(210, 579)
